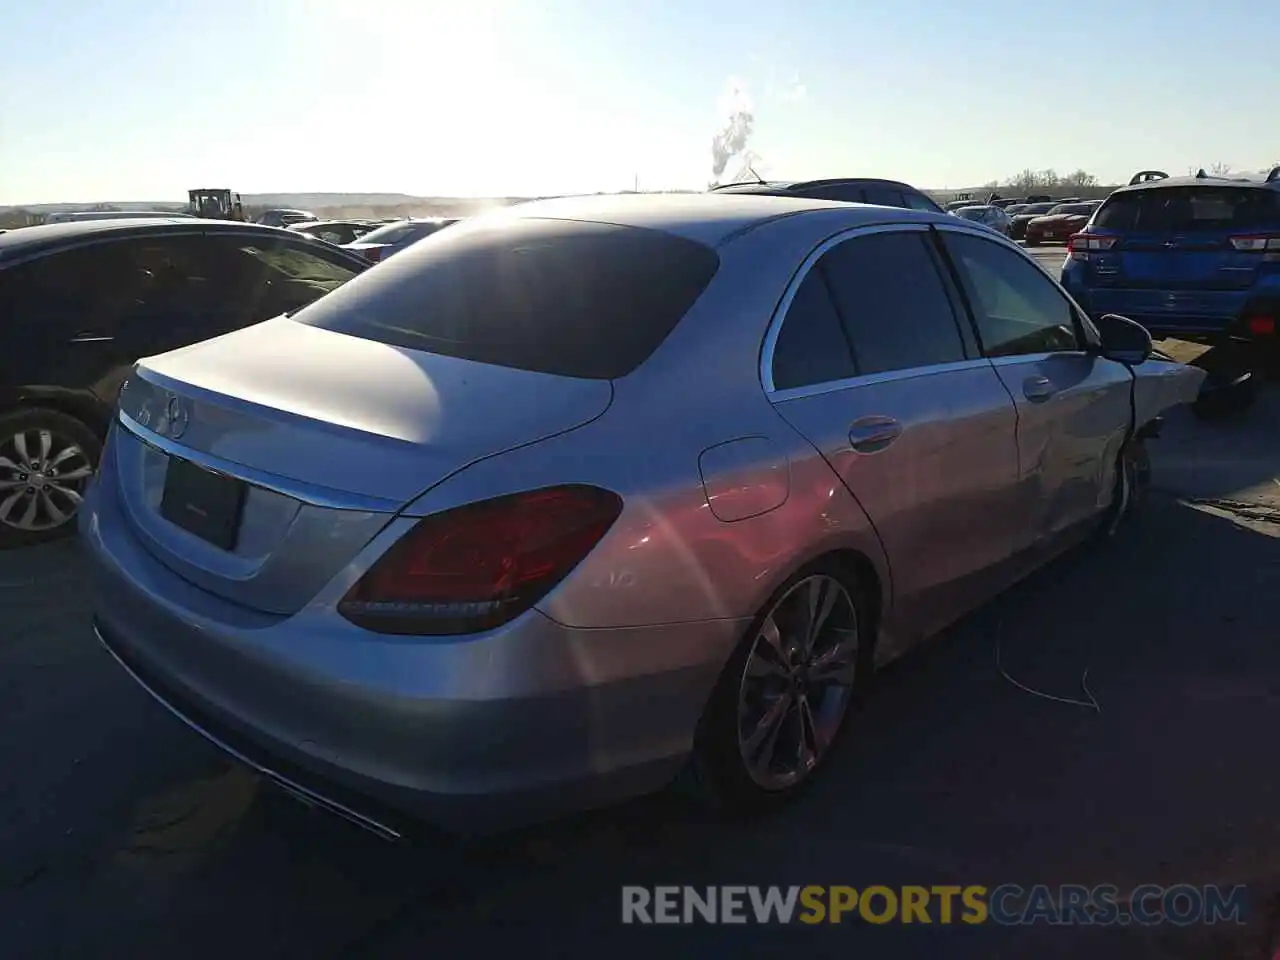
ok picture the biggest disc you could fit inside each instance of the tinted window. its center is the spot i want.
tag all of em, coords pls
(1018, 309)
(253, 278)
(1074, 209)
(843, 192)
(891, 297)
(399, 232)
(1190, 209)
(811, 347)
(99, 282)
(918, 201)
(573, 298)
(885, 197)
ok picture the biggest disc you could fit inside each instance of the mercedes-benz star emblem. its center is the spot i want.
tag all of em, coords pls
(177, 418)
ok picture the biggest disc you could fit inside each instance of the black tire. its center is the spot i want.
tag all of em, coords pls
(1132, 486)
(717, 774)
(65, 432)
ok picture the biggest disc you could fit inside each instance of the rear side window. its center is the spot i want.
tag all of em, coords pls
(1189, 209)
(891, 296)
(100, 281)
(885, 197)
(811, 347)
(918, 201)
(399, 232)
(572, 298)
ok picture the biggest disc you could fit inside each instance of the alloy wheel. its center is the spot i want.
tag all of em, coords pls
(797, 682)
(42, 479)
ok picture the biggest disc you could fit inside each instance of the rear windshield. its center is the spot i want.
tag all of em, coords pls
(972, 213)
(1074, 209)
(1038, 208)
(1190, 209)
(572, 298)
(395, 232)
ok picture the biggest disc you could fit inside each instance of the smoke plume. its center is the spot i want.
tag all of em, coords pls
(733, 136)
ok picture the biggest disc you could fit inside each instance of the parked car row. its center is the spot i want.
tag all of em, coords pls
(399, 550)
(1191, 256)
(81, 301)
(1059, 223)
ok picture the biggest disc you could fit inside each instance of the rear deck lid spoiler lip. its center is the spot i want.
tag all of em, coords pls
(308, 493)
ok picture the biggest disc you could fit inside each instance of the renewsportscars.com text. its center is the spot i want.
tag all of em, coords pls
(1005, 905)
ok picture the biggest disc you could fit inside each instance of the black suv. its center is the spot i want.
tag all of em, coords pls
(80, 302)
(882, 193)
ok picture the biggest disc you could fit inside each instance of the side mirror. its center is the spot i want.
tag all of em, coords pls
(1123, 340)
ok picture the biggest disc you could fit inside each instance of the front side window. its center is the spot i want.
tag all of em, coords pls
(1017, 307)
(890, 295)
(295, 262)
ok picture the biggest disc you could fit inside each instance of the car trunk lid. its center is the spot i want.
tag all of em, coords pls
(319, 438)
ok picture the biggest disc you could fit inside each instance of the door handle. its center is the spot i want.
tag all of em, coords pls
(873, 434)
(1038, 389)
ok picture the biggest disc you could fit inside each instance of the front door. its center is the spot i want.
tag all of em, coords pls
(1073, 406)
(872, 364)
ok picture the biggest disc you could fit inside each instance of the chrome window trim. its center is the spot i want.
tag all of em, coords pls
(889, 376)
(308, 493)
(1086, 332)
(802, 272)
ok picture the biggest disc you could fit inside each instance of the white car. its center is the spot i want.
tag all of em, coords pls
(987, 215)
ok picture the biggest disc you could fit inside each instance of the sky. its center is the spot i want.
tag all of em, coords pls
(132, 100)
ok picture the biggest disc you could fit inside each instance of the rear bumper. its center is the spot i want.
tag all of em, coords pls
(469, 734)
(1171, 312)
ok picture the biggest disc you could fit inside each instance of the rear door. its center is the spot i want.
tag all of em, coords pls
(873, 365)
(1073, 406)
(1180, 258)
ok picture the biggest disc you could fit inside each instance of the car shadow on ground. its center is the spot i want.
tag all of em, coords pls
(952, 773)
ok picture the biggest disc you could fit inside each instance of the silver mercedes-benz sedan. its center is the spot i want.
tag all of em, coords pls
(575, 497)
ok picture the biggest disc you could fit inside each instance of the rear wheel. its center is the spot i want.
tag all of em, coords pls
(785, 696)
(46, 461)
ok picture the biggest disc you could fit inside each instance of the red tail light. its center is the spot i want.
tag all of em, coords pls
(476, 567)
(1089, 243)
(373, 254)
(1262, 326)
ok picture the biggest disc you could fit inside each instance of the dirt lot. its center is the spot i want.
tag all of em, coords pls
(123, 835)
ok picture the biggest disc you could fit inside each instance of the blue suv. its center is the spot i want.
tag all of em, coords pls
(1194, 257)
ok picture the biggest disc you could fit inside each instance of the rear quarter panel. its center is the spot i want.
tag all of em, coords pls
(668, 558)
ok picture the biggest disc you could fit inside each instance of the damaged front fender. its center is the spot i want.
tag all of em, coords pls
(1161, 383)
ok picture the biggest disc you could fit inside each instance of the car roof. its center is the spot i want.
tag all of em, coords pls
(50, 236)
(709, 218)
(1225, 182)
(799, 186)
